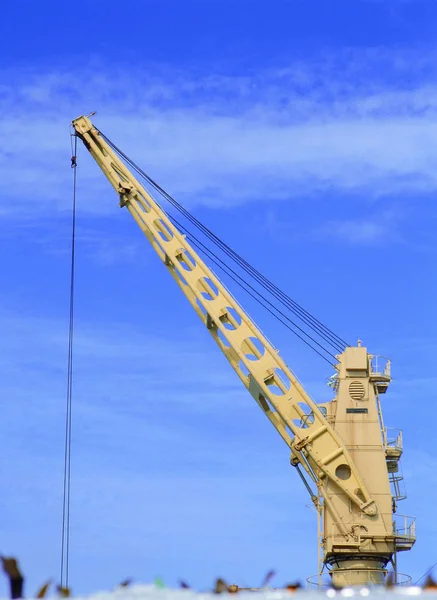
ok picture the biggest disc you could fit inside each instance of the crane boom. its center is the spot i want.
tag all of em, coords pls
(271, 383)
(341, 445)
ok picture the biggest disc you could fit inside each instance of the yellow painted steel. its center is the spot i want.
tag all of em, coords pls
(343, 452)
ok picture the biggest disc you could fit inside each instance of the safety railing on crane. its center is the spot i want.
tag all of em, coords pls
(393, 439)
(380, 365)
(405, 526)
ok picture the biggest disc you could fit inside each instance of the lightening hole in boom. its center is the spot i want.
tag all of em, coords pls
(165, 233)
(343, 472)
(207, 288)
(278, 382)
(253, 348)
(159, 245)
(230, 318)
(185, 259)
(179, 278)
(308, 416)
(201, 307)
(143, 204)
(222, 339)
(119, 172)
(245, 371)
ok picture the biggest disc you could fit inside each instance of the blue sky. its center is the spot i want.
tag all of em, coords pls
(302, 133)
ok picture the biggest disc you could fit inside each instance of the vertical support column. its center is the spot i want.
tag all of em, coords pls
(359, 546)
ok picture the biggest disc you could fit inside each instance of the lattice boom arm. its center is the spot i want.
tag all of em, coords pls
(272, 384)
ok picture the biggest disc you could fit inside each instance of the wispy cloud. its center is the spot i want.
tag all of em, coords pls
(379, 228)
(222, 140)
(358, 231)
(370, 226)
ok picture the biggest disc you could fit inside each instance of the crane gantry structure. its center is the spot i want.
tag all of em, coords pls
(340, 448)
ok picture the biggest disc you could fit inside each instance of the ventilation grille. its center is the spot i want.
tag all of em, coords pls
(356, 390)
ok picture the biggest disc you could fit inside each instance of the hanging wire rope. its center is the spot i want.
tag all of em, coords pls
(330, 338)
(65, 542)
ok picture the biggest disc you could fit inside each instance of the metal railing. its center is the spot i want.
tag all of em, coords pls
(402, 527)
(405, 527)
(393, 438)
(380, 365)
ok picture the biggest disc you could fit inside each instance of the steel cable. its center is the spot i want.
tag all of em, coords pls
(304, 315)
(311, 322)
(240, 282)
(65, 542)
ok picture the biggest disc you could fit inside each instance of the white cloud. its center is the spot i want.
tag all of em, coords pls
(359, 231)
(380, 227)
(223, 140)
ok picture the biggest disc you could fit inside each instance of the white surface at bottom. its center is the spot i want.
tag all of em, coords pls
(151, 592)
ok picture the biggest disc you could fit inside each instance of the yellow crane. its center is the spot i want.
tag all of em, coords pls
(341, 449)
